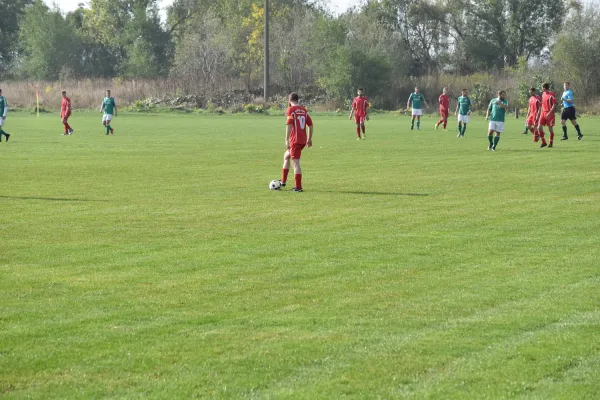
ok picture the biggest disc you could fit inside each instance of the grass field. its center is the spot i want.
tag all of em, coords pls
(157, 264)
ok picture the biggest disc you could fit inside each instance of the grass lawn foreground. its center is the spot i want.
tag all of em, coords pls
(156, 263)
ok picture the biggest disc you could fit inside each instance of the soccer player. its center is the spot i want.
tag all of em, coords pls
(569, 112)
(497, 107)
(415, 99)
(65, 112)
(108, 108)
(463, 110)
(533, 113)
(547, 114)
(296, 138)
(3, 111)
(444, 102)
(360, 110)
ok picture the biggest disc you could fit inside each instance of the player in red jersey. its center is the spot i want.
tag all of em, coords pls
(360, 110)
(547, 114)
(297, 136)
(533, 113)
(65, 113)
(444, 101)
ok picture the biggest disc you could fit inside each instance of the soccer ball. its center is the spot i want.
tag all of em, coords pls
(275, 185)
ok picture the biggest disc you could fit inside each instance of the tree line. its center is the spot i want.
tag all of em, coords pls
(383, 45)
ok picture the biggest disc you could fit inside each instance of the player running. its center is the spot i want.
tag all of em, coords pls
(533, 113)
(296, 139)
(547, 114)
(463, 111)
(3, 111)
(444, 102)
(65, 113)
(414, 100)
(109, 108)
(497, 107)
(360, 110)
(569, 112)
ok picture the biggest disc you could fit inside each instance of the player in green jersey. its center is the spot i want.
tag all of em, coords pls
(415, 100)
(497, 108)
(463, 111)
(3, 111)
(109, 108)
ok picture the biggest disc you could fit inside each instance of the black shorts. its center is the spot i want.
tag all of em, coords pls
(568, 114)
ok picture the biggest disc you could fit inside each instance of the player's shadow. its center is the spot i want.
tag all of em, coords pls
(538, 150)
(376, 193)
(48, 198)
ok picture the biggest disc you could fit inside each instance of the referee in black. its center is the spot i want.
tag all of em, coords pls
(569, 112)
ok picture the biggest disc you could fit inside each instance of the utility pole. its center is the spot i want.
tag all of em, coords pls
(266, 83)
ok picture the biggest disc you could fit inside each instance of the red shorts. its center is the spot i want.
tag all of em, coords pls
(296, 150)
(65, 116)
(444, 113)
(359, 119)
(546, 121)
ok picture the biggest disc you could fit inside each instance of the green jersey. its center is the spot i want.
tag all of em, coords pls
(109, 105)
(415, 99)
(498, 112)
(3, 106)
(464, 105)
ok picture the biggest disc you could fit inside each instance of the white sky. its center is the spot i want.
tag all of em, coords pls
(337, 6)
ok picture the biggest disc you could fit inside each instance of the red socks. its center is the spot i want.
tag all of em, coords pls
(551, 138)
(363, 128)
(67, 127)
(298, 178)
(284, 174)
(358, 131)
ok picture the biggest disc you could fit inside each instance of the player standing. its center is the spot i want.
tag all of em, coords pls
(414, 100)
(360, 110)
(109, 107)
(296, 139)
(497, 107)
(463, 110)
(3, 111)
(444, 102)
(569, 112)
(533, 114)
(65, 112)
(547, 114)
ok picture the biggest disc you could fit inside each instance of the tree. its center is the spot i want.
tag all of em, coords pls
(11, 14)
(130, 33)
(48, 42)
(576, 54)
(202, 58)
(496, 33)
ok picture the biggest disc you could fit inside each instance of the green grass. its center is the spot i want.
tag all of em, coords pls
(157, 264)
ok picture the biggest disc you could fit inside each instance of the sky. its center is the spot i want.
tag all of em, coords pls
(337, 6)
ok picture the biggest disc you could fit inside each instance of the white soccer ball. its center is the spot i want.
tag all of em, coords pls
(275, 185)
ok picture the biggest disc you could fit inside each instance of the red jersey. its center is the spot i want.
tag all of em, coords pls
(298, 118)
(65, 106)
(548, 101)
(444, 102)
(360, 105)
(534, 105)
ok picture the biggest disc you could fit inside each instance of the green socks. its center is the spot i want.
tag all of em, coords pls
(496, 140)
(491, 139)
(464, 128)
(418, 124)
(108, 129)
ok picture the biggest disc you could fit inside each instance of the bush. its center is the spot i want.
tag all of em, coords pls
(253, 108)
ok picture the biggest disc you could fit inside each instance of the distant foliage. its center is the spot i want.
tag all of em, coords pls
(211, 47)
